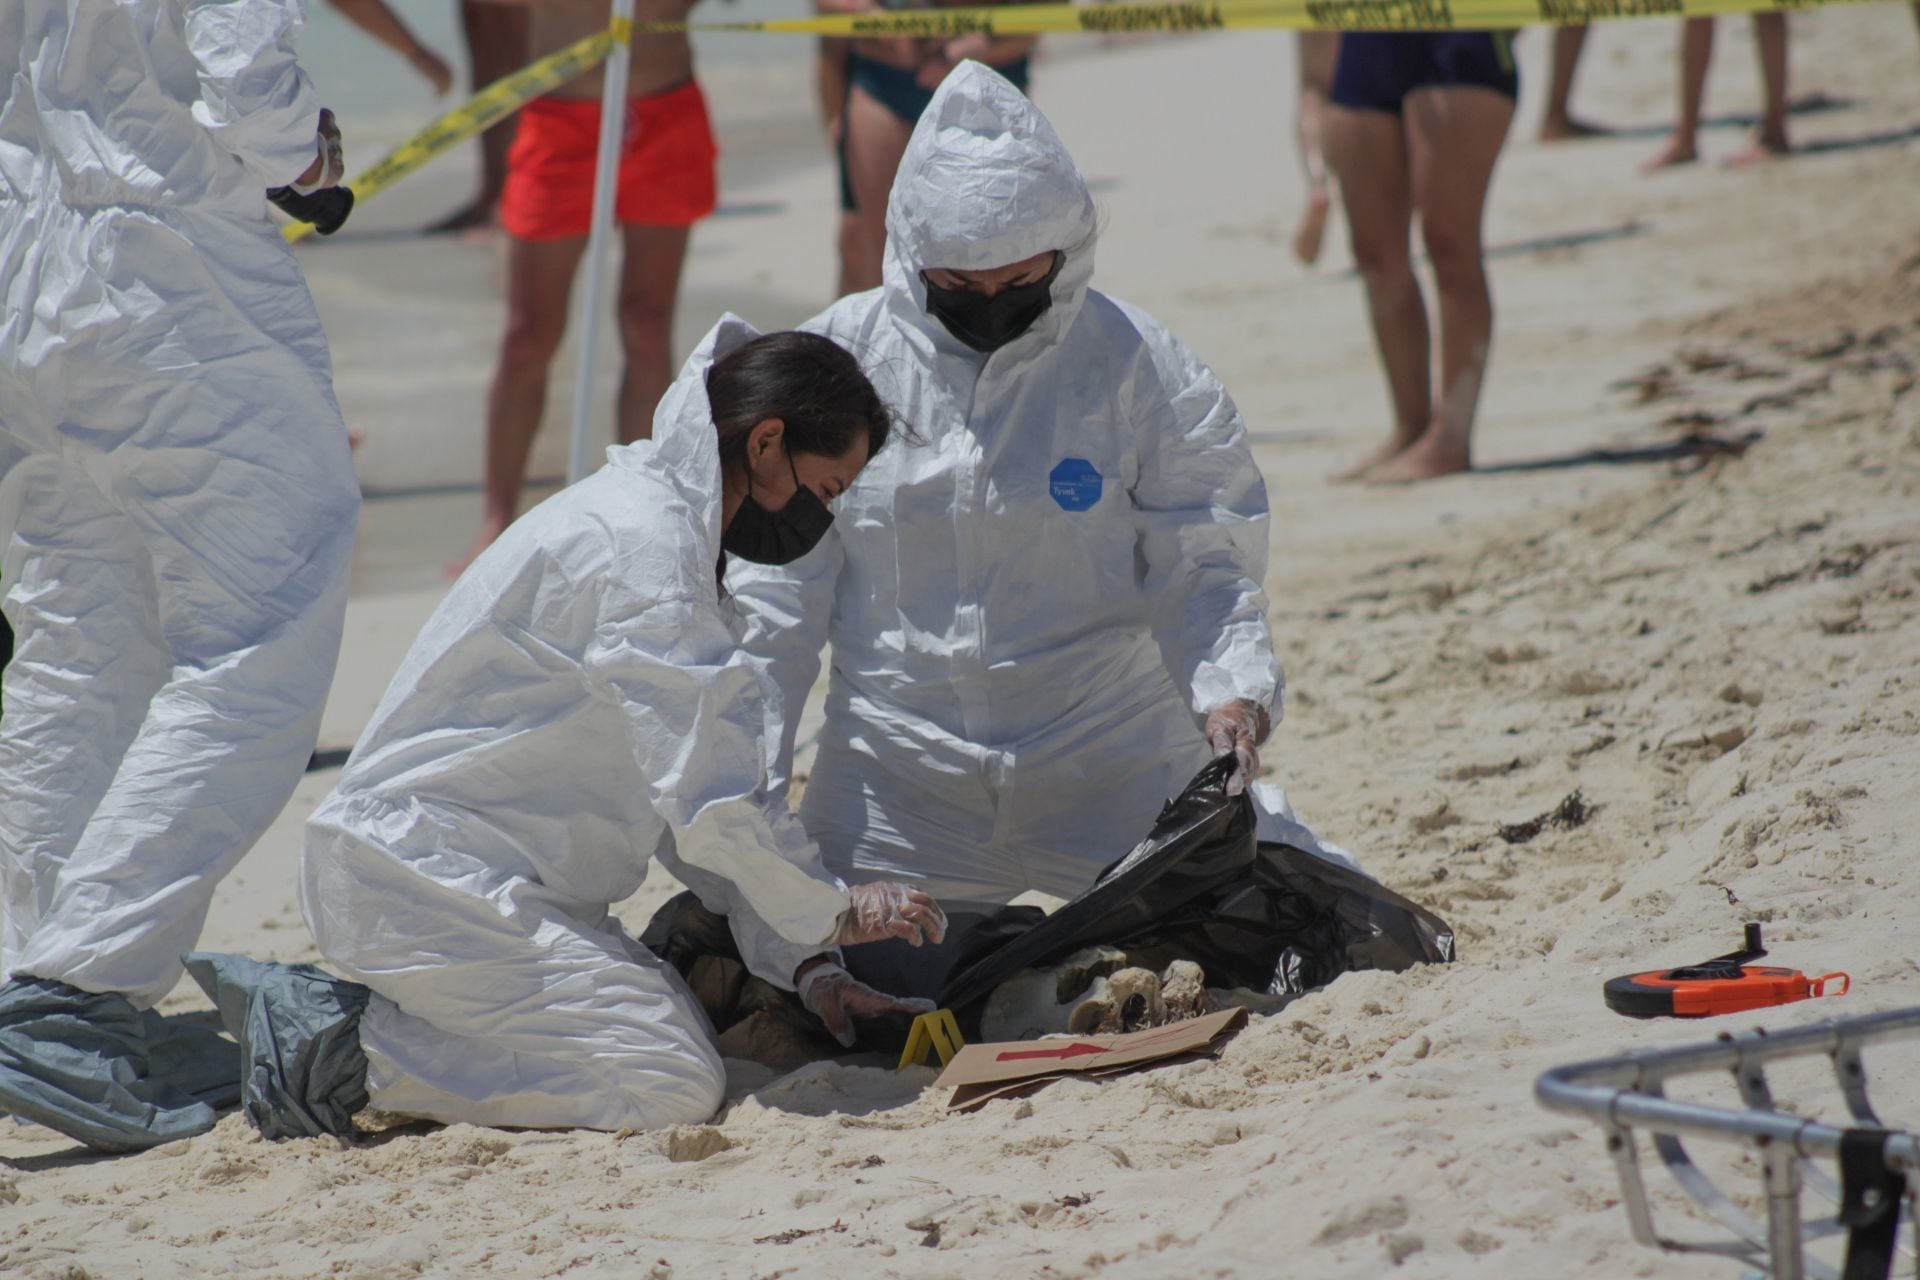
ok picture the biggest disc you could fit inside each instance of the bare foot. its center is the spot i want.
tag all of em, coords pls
(1424, 459)
(1570, 128)
(478, 216)
(489, 531)
(1765, 150)
(1677, 152)
(1313, 226)
(1362, 469)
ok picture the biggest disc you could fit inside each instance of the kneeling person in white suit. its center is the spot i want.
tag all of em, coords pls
(577, 706)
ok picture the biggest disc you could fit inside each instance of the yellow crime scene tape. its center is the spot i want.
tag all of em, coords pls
(505, 96)
(1231, 15)
(492, 104)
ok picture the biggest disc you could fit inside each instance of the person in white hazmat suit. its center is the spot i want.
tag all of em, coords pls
(178, 511)
(576, 707)
(1047, 615)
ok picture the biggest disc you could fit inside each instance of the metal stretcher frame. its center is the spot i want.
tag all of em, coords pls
(1627, 1093)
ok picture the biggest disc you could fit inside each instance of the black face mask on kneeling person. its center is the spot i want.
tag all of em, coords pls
(777, 537)
(987, 324)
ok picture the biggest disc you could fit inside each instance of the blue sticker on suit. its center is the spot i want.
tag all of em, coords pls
(1074, 484)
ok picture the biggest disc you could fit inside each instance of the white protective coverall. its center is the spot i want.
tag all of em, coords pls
(577, 705)
(178, 505)
(1033, 608)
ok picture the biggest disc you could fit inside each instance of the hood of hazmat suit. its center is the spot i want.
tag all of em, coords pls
(1033, 606)
(577, 706)
(178, 506)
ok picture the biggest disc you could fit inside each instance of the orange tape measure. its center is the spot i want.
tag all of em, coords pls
(1724, 984)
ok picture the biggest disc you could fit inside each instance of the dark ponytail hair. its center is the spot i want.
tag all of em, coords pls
(808, 382)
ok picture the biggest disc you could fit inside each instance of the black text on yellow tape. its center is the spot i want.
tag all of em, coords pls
(509, 94)
(1230, 15)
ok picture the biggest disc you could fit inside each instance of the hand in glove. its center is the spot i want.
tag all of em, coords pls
(1237, 728)
(888, 910)
(832, 995)
(330, 163)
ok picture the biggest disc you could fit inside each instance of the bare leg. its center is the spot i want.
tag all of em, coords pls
(649, 287)
(496, 46)
(1368, 152)
(876, 139)
(1319, 53)
(1696, 51)
(539, 281)
(1770, 37)
(1454, 135)
(830, 82)
(831, 88)
(384, 25)
(1556, 123)
(848, 237)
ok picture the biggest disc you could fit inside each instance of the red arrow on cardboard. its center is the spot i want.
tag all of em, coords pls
(1077, 1050)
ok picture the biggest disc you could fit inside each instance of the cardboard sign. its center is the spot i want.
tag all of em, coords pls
(982, 1072)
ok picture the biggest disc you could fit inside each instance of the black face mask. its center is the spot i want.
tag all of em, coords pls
(987, 324)
(777, 537)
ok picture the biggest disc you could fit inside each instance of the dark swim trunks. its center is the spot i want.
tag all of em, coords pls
(1378, 69)
(896, 89)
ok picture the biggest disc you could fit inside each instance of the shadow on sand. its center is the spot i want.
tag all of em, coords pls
(1862, 142)
(1542, 244)
(1812, 105)
(1693, 448)
(1568, 240)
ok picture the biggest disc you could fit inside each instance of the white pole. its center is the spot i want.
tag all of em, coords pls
(613, 119)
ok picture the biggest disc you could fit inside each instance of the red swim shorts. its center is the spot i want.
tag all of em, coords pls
(666, 165)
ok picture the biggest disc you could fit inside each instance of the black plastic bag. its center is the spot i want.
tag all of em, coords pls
(699, 944)
(1298, 923)
(1201, 886)
(1202, 839)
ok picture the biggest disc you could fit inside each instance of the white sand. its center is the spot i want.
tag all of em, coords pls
(1719, 653)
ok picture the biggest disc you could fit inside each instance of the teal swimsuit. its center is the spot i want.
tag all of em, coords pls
(897, 89)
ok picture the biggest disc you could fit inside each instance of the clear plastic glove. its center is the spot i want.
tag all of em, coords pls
(330, 161)
(1237, 728)
(888, 910)
(832, 995)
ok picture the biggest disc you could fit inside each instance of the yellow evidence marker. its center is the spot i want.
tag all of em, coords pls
(936, 1031)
